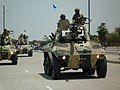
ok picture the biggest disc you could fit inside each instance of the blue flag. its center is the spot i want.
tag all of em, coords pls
(54, 6)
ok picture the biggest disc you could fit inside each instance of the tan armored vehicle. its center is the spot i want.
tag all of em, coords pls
(23, 46)
(7, 49)
(73, 50)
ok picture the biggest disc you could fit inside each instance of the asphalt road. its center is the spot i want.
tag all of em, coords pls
(29, 75)
(112, 54)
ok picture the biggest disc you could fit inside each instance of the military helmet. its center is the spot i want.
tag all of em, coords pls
(77, 10)
(62, 16)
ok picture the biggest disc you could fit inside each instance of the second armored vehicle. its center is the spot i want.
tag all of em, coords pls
(23, 46)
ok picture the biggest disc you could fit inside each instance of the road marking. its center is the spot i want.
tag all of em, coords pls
(49, 88)
(26, 71)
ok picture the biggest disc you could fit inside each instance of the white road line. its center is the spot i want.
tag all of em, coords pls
(26, 71)
(49, 88)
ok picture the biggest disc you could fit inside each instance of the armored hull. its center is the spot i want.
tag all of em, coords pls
(74, 52)
(8, 52)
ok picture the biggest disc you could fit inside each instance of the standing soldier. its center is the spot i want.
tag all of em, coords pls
(78, 18)
(63, 25)
(5, 37)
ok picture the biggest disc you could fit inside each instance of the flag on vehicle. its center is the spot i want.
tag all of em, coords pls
(54, 6)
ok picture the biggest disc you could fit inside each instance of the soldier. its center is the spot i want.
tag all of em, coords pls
(78, 18)
(5, 37)
(21, 39)
(63, 25)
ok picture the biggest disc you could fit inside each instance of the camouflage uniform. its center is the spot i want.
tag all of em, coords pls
(22, 39)
(78, 18)
(5, 39)
(63, 25)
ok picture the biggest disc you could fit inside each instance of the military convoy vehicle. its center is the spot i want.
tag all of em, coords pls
(74, 50)
(23, 46)
(7, 49)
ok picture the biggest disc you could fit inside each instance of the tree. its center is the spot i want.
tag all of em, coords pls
(114, 37)
(102, 33)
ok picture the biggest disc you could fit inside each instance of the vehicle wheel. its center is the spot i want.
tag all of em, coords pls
(47, 66)
(102, 68)
(56, 71)
(30, 53)
(14, 60)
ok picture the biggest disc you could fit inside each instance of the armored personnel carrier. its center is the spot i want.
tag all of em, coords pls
(7, 49)
(23, 46)
(74, 50)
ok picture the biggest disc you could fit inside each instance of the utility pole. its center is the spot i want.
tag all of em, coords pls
(89, 17)
(3, 17)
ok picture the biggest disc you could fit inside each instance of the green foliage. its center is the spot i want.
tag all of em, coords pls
(94, 38)
(114, 37)
(102, 33)
(102, 30)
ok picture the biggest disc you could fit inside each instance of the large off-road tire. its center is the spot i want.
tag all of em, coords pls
(88, 71)
(30, 53)
(47, 66)
(102, 68)
(14, 59)
(56, 70)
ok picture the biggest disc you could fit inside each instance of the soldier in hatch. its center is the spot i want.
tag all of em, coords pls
(63, 25)
(78, 18)
(21, 40)
(5, 37)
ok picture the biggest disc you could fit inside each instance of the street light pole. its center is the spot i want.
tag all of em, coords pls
(3, 17)
(89, 17)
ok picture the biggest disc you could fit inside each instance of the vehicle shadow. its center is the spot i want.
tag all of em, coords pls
(5, 64)
(23, 56)
(70, 76)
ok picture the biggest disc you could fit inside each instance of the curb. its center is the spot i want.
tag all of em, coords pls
(115, 62)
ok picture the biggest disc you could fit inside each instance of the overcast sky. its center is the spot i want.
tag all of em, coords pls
(39, 18)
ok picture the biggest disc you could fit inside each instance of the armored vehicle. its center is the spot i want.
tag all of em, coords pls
(23, 46)
(7, 49)
(74, 50)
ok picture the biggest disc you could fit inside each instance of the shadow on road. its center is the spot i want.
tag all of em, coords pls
(70, 76)
(5, 64)
(23, 56)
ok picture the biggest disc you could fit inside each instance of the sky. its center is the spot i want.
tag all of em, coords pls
(39, 18)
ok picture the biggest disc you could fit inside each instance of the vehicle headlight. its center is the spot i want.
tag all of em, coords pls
(64, 57)
(98, 56)
(11, 52)
(81, 28)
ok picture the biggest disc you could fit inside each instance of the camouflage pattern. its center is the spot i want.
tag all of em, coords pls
(63, 25)
(74, 51)
(23, 39)
(23, 46)
(7, 49)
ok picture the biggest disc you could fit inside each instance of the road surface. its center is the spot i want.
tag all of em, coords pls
(112, 54)
(29, 75)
